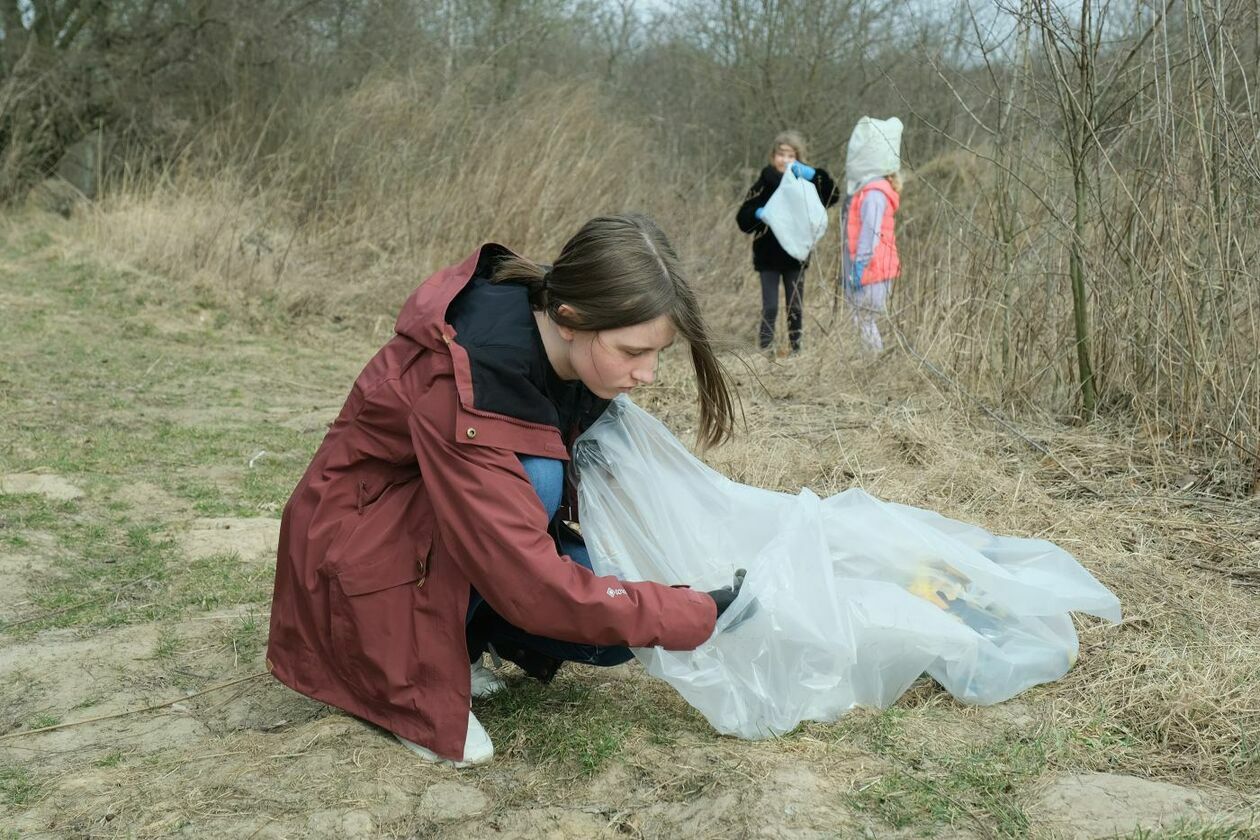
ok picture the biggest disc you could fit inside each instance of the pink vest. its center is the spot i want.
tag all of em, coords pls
(884, 264)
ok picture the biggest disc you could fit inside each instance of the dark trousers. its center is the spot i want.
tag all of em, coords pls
(539, 656)
(486, 627)
(794, 291)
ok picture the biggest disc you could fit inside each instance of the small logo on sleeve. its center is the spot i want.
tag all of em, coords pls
(613, 593)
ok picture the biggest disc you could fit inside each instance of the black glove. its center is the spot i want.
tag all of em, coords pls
(726, 596)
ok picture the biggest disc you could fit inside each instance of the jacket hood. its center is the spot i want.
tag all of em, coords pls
(423, 315)
(498, 357)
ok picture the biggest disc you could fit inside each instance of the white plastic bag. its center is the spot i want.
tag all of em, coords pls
(874, 149)
(847, 600)
(796, 215)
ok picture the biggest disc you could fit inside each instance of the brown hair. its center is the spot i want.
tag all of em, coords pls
(789, 138)
(618, 271)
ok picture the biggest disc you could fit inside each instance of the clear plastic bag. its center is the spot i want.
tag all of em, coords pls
(796, 215)
(847, 600)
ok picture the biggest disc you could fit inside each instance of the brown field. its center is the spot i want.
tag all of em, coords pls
(171, 358)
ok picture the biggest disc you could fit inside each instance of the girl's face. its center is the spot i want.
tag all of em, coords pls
(782, 158)
(612, 362)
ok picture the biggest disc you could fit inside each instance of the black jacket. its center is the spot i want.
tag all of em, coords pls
(768, 255)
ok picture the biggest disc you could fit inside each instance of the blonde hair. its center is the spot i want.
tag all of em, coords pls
(792, 139)
(894, 178)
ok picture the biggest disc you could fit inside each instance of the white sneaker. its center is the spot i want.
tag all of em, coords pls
(478, 748)
(485, 681)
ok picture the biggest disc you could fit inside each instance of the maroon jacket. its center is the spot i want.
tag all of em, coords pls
(414, 496)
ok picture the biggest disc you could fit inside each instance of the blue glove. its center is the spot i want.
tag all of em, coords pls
(803, 170)
(758, 213)
(859, 268)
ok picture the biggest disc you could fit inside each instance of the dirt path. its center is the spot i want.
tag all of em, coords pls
(147, 444)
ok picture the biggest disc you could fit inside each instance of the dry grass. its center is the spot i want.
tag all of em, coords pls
(1175, 687)
(1170, 533)
(1172, 693)
(387, 185)
(375, 188)
(393, 181)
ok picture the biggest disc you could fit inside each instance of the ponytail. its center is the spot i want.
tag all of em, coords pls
(533, 276)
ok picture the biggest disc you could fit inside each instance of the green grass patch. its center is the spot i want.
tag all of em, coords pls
(109, 568)
(1191, 831)
(110, 759)
(247, 637)
(129, 396)
(944, 789)
(1101, 741)
(577, 724)
(928, 786)
(565, 723)
(17, 786)
(146, 589)
(220, 580)
(115, 571)
(21, 514)
(168, 645)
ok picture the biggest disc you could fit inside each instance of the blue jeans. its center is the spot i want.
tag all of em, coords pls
(547, 476)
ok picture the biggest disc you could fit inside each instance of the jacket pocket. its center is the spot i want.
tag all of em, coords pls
(405, 567)
(372, 611)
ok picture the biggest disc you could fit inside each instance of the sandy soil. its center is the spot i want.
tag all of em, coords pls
(256, 760)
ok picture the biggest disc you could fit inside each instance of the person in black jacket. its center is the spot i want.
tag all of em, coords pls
(770, 261)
